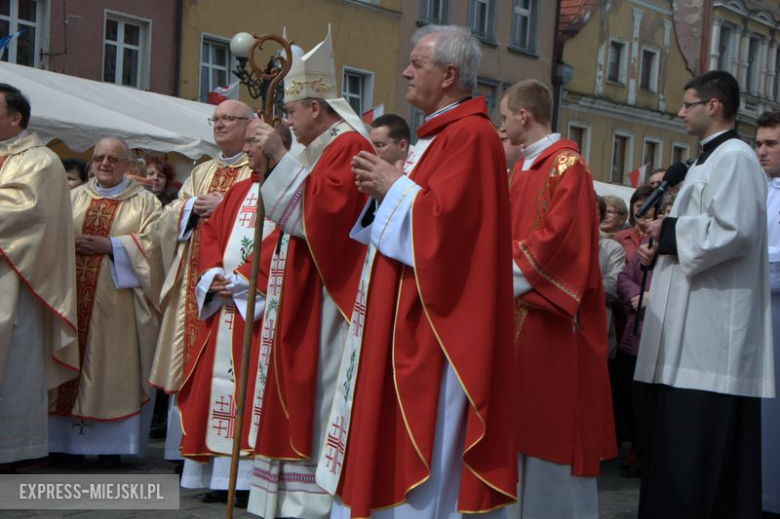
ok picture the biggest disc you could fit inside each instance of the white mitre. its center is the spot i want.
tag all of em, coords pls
(314, 75)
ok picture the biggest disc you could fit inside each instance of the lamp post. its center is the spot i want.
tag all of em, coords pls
(257, 79)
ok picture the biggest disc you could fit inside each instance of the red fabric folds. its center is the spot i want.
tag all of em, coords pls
(455, 306)
(562, 385)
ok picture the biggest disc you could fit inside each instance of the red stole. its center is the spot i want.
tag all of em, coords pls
(326, 257)
(97, 222)
(564, 411)
(193, 398)
(455, 304)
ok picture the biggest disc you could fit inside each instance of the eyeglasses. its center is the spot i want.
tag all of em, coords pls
(688, 106)
(98, 159)
(226, 119)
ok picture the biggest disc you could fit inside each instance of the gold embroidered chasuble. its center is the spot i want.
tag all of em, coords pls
(37, 250)
(179, 325)
(117, 327)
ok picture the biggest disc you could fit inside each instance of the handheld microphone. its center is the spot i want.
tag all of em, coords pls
(673, 176)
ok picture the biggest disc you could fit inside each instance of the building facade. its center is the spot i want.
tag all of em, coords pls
(516, 37)
(127, 42)
(364, 33)
(625, 86)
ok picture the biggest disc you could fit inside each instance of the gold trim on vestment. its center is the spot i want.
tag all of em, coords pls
(545, 274)
(454, 368)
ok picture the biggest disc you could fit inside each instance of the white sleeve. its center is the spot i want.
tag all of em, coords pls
(122, 273)
(359, 233)
(239, 287)
(282, 194)
(520, 284)
(391, 232)
(774, 269)
(206, 310)
(186, 214)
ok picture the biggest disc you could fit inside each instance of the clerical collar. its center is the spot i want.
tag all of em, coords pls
(230, 160)
(111, 192)
(20, 135)
(445, 109)
(773, 182)
(709, 144)
(529, 153)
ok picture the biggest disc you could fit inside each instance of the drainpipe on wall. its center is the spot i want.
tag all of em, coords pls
(555, 77)
(177, 47)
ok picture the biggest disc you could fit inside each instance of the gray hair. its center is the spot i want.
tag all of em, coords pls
(454, 46)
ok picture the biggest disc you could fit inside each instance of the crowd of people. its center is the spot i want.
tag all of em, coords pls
(455, 326)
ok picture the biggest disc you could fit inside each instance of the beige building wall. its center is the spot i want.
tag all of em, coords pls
(622, 121)
(365, 37)
(501, 65)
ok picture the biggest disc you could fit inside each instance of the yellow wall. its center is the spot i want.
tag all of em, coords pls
(364, 37)
(582, 53)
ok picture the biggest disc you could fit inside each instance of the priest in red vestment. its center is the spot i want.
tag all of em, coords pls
(422, 420)
(207, 397)
(563, 417)
(312, 285)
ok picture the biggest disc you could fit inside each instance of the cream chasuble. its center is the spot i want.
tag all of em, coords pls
(38, 346)
(117, 327)
(180, 245)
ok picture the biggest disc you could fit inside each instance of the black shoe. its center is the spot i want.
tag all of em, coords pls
(62, 458)
(109, 461)
(242, 499)
(215, 496)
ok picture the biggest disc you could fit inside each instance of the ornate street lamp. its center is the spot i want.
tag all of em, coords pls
(257, 79)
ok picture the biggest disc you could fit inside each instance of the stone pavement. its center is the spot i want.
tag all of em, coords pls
(618, 497)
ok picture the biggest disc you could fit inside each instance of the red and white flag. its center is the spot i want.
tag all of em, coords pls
(220, 94)
(370, 115)
(637, 177)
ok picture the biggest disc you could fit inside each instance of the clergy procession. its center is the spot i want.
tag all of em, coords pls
(440, 325)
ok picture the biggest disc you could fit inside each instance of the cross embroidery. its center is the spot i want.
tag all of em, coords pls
(222, 419)
(275, 276)
(359, 312)
(81, 424)
(230, 314)
(265, 343)
(248, 212)
(335, 131)
(336, 444)
(257, 409)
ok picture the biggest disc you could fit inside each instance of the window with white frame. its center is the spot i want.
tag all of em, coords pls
(620, 156)
(357, 87)
(23, 19)
(648, 74)
(126, 45)
(215, 64)
(726, 46)
(580, 133)
(482, 19)
(680, 152)
(435, 12)
(751, 85)
(616, 66)
(652, 151)
(524, 16)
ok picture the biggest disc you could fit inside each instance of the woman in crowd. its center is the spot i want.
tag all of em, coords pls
(160, 173)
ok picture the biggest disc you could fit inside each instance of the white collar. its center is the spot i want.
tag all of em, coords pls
(112, 192)
(444, 110)
(230, 160)
(530, 152)
(20, 135)
(713, 136)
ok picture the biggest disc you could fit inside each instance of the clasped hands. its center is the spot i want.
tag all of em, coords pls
(219, 287)
(90, 245)
(373, 175)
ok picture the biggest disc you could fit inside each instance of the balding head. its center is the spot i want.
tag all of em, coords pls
(229, 124)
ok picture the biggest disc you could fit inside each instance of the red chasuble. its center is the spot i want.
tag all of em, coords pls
(564, 410)
(194, 397)
(326, 257)
(455, 305)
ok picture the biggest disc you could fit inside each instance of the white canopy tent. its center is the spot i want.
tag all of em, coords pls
(604, 189)
(79, 111)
